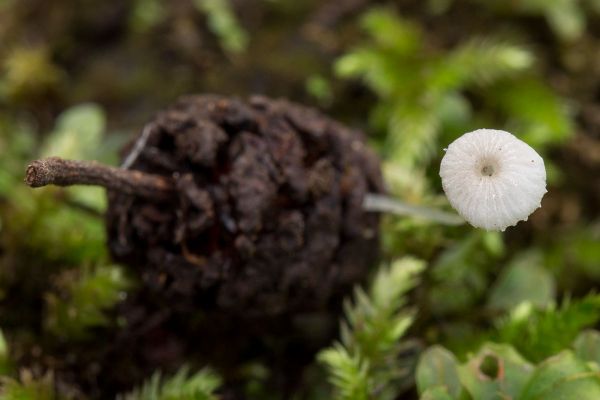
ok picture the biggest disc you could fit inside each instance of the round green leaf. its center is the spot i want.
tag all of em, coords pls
(563, 377)
(496, 372)
(437, 367)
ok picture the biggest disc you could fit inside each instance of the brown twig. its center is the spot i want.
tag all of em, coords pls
(60, 172)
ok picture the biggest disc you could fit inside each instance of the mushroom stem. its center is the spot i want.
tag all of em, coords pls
(61, 172)
(380, 203)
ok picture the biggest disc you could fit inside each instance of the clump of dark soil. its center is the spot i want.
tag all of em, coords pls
(267, 231)
(268, 215)
(246, 251)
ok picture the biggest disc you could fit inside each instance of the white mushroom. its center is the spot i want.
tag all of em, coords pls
(492, 178)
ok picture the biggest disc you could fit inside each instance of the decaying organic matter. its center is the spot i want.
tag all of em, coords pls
(268, 215)
(255, 234)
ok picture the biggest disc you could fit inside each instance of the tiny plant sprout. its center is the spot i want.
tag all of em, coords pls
(492, 178)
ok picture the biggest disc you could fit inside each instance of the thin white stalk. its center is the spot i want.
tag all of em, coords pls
(380, 203)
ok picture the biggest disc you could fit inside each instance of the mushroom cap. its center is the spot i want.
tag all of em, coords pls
(493, 179)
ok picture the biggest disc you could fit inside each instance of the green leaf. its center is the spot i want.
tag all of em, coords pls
(84, 300)
(563, 377)
(391, 32)
(480, 62)
(347, 373)
(497, 371)
(493, 243)
(391, 284)
(437, 368)
(583, 248)
(412, 135)
(55, 231)
(146, 14)
(27, 387)
(460, 274)
(181, 386)
(224, 24)
(523, 280)
(587, 346)
(5, 363)
(27, 73)
(319, 87)
(537, 115)
(436, 393)
(376, 321)
(381, 71)
(538, 334)
(370, 356)
(17, 142)
(454, 112)
(566, 18)
(6, 182)
(77, 134)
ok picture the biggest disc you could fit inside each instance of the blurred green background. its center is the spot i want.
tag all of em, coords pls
(78, 78)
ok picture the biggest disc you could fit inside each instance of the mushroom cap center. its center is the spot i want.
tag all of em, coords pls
(488, 167)
(488, 170)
